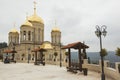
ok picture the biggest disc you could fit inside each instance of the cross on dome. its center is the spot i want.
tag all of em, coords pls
(34, 7)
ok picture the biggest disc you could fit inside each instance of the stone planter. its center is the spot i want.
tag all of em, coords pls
(85, 71)
(119, 68)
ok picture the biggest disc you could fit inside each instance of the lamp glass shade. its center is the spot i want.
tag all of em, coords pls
(97, 33)
(104, 32)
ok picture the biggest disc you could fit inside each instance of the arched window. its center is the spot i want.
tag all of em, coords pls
(32, 36)
(11, 38)
(15, 39)
(21, 35)
(39, 34)
(24, 35)
(29, 35)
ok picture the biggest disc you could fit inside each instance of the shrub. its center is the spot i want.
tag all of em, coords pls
(118, 52)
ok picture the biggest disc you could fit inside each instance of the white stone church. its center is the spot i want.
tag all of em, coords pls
(31, 36)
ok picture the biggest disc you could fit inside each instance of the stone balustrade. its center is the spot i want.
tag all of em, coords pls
(109, 72)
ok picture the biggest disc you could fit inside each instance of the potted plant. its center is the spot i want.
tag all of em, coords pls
(66, 54)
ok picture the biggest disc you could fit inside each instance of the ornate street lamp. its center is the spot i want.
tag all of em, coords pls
(60, 56)
(13, 54)
(101, 31)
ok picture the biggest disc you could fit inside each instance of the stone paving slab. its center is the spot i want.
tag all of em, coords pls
(24, 71)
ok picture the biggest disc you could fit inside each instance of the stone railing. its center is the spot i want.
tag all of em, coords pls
(109, 72)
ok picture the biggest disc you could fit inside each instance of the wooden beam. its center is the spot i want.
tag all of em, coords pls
(69, 56)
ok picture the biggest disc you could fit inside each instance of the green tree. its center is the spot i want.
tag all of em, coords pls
(3, 45)
(118, 52)
(104, 52)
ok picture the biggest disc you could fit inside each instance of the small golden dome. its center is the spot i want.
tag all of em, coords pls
(56, 29)
(27, 23)
(35, 18)
(13, 30)
(46, 45)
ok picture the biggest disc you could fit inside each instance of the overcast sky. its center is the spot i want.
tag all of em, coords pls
(75, 18)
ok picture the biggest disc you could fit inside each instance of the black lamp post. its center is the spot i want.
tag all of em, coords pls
(60, 56)
(101, 31)
(28, 55)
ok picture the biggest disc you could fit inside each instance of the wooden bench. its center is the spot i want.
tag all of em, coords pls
(75, 67)
(40, 62)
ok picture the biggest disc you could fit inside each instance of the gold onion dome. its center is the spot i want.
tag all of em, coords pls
(56, 29)
(35, 18)
(27, 23)
(46, 45)
(13, 30)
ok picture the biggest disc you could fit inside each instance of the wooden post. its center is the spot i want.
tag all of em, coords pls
(69, 55)
(35, 58)
(80, 60)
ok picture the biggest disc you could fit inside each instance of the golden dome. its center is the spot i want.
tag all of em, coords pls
(56, 29)
(27, 23)
(46, 45)
(13, 30)
(35, 18)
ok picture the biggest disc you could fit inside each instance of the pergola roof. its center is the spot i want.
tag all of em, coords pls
(10, 51)
(75, 45)
(38, 49)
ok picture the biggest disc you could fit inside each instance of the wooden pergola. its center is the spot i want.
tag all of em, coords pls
(11, 52)
(41, 60)
(79, 46)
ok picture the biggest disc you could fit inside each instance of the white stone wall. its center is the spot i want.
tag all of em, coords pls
(110, 72)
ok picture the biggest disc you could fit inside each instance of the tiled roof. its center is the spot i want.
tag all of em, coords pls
(10, 51)
(75, 45)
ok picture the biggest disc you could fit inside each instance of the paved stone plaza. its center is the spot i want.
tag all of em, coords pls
(24, 71)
